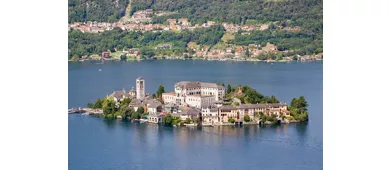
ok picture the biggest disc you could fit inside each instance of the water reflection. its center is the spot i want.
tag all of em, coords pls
(301, 129)
(110, 124)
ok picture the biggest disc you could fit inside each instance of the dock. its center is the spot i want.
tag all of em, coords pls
(87, 111)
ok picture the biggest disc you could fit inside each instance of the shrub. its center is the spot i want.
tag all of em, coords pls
(247, 118)
(231, 120)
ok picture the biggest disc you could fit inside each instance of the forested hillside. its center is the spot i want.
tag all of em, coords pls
(96, 10)
(238, 11)
(89, 43)
(280, 15)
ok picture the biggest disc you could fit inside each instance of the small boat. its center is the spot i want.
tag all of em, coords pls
(143, 120)
(100, 69)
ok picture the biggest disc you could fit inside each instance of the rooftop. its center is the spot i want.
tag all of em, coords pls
(196, 84)
(169, 93)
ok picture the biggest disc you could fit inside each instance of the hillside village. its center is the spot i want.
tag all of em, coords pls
(141, 21)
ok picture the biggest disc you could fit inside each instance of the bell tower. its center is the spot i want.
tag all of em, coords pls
(140, 88)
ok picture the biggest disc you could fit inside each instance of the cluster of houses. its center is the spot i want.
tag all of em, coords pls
(92, 27)
(195, 100)
(142, 14)
(140, 21)
(234, 52)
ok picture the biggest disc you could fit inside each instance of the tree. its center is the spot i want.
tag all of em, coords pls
(108, 107)
(168, 120)
(125, 102)
(153, 96)
(123, 57)
(126, 112)
(231, 120)
(135, 115)
(229, 89)
(140, 110)
(160, 91)
(247, 53)
(187, 121)
(75, 57)
(273, 99)
(298, 108)
(279, 56)
(90, 105)
(247, 118)
(98, 104)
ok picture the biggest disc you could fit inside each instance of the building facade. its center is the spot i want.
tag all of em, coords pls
(194, 94)
(209, 115)
(238, 113)
(140, 88)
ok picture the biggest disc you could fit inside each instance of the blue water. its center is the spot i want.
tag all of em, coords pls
(95, 143)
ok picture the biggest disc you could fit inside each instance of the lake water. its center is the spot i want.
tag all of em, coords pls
(95, 143)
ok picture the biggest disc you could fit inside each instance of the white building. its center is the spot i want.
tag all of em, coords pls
(199, 100)
(194, 94)
(209, 115)
(140, 88)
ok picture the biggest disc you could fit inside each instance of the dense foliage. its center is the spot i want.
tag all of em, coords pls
(160, 91)
(302, 42)
(169, 120)
(264, 118)
(238, 11)
(96, 10)
(298, 108)
(247, 118)
(91, 43)
(250, 95)
(111, 109)
(307, 14)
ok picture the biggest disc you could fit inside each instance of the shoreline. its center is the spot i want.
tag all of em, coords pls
(220, 60)
(99, 113)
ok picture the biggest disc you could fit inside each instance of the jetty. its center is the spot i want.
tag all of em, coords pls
(87, 111)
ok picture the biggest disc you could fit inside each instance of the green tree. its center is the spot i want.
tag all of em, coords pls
(273, 99)
(298, 108)
(229, 89)
(168, 120)
(153, 96)
(247, 118)
(140, 110)
(187, 121)
(135, 115)
(126, 112)
(231, 120)
(160, 91)
(90, 105)
(123, 57)
(75, 57)
(125, 102)
(247, 53)
(109, 107)
(279, 56)
(98, 104)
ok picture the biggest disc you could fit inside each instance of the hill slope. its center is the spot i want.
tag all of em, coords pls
(96, 10)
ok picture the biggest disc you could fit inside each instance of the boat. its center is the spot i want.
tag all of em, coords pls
(143, 120)
(100, 69)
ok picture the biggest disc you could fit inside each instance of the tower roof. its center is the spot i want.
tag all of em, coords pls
(140, 78)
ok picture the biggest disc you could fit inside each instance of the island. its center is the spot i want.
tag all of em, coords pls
(195, 103)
